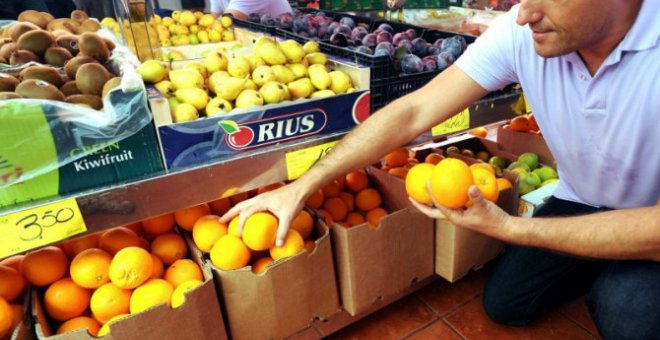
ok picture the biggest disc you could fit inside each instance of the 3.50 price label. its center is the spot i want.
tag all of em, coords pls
(40, 226)
(299, 161)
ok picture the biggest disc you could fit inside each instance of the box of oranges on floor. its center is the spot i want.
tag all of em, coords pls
(451, 167)
(267, 292)
(14, 301)
(129, 282)
(381, 244)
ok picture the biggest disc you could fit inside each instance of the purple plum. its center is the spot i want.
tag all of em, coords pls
(348, 21)
(323, 31)
(370, 40)
(358, 33)
(300, 25)
(339, 39)
(333, 26)
(343, 29)
(406, 44)
(384, 36)
(430, 63)
(385, 45)
(419, 47)
(268, 20)
(452, 46)
(445, 59)
(254, 17)
(461, 40)
(364, 49)
(411, 64)
(433, 50)
(411, 33)
(385, 27)
(285, 20)
(438, 42)
(398, 37)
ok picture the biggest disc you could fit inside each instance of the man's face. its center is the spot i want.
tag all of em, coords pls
(560, 27)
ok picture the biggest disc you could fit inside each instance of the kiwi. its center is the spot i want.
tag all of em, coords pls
(3, 60)
(7, 82)
(93, 101)
(23, 57)
(57, 56)
(65, 24)
(9, 95)
(71, 67)
(7, 49)
(90, 25)
(92, 45)
(46, 73)
(79, 15)
(70, 42)
(39, 89)
(109, 85)
(37, 41)
(70, 88)
(109, 44)
(16, 30)
(91, 77)
(59, 33)
(33, 17)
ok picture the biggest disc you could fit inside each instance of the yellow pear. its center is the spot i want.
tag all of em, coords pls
(255, 62)
(262, 41)
(226, 21)
(227, 36)
(165, 87)
(206, 20)
(229, 88)
(197, 66)
(184, 112)
(340, 81)
(272, 92)
(271, 54)
(283, 74)
(322, 94)
(248, 98)
(299, 70)
(214, 79)
(238, 66)
(203, 37)
(262, 75)
(301, 88)
(216, 61)
(316, 58)
(217, 106)
(152, 71)
(292, 50)
(187, 18)
(318, 74)
(249, 84)
(215, 36)
(311, 47)
(186, 78)
(193, 96)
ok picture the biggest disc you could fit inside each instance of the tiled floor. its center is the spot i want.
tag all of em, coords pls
(454, 311)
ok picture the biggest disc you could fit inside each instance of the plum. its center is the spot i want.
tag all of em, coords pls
(333, 26)
(411, 64)
(430, 63)
(268, 20)
(364, 49)
(452, 46)
(419, 47)
(343, 29)
(339, 39)
(254, 17)
(438, 42)
(461, 40)
(398, 37)
(370, 40)
(358, 33)
(323, 31)
(445, 60)
(432, 50)
(285, 21)
(386, 28)
(385, 45)
(406, 44)
(411, 33)
(383, 36)
(300, 25)
(348, 21)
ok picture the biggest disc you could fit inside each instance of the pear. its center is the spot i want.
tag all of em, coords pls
(262, 41)
(216, 61)
(152, 71)
(301, 88)
(214, 79)
(316, 58)
(217, 106)
(322, 94)
(299, 70)
(271, 54)
(201, 69)
(229, 88)
(249, 84)
(287, 94)
(165, 87)
(194, 96)
(172, 102)
(248, 98)
(319, 76)
(283, 74)
(292, 50)
(311, 47)
(186, 78)
(341, 82)
(262, 75)
(272, 92)
(255, 62)
(184, 112)
(238, 66)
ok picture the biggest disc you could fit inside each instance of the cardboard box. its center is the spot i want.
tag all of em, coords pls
(517, 143)
(374, 264)
(285, 299)
(25, 329)
(531, 202)
(198, 318)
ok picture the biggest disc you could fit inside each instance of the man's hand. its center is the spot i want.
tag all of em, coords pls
(483, 216)
(284, 203)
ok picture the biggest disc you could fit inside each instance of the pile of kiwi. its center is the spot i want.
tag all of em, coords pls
(71, 54)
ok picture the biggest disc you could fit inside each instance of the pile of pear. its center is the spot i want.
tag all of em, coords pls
(224, 81)
(71, 65)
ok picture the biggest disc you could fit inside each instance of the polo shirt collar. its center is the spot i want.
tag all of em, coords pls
(645, 32)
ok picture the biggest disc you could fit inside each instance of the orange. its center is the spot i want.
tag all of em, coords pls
(181, 271)
(303, 223)
(89, 269)
(44, 266)
(207, 230)
(109, 301)
(144, 244)
(336, 207)
(12, 283)
(157, 267)
(130, 267)
(310, 245)
(357, 180)
(117, 239)
(398, 157)
(386, 168)
(169, 247)
(74, 247)
(179, 293)
(332, 189)
(260, 231)
(152, 293)
(416, 182)
(479, 132)
(238, 198)
(409, 166)
(13, 262)
(316, 199)
(341, 181)
(6, 318)
(17, 314)
(450, 181)
(327, 217)
(533, 125)
(374, 216)
(230, 253)
(186, 217)
(354, 218)
(232, 228)
(80, 322)
(293, 244)
(368, 199)
(159, 225)
(398, 171)
(105, 329)
(484, 166)
(220, 206)
(520, 123)
(260, 265)
(503, 183)
(348, 199)
(487, 184)
(136, 227)
(269, 187)
(65, 300)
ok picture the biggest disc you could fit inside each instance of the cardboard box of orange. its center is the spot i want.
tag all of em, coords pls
(283, 300)
(198, 318)
(457, 250)
(375, 263)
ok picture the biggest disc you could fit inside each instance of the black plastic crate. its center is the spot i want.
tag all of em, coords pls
(387, 90)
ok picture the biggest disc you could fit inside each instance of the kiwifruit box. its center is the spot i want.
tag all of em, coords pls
(374, 264)
(199, 317)
(287, 298)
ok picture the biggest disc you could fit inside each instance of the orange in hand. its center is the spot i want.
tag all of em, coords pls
(450, 182)
(416, 182)
(487, 184)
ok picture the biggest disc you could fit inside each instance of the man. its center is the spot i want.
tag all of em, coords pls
(12, 8)
(242, 8)
(590, 70)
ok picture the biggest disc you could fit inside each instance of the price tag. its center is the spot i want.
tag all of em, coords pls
(299, 161)
(40, 226)
(458, 122)
(528, 107)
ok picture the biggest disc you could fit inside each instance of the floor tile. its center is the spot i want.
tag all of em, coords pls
(471, 322)
(577, 311)
(443, 296)
(437, 330)
(393, 322)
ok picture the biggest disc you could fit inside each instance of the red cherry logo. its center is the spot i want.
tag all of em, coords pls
(242, 137)
(362, 108)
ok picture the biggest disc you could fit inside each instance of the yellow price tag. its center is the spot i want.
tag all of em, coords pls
(457, 122)
(299, 161)
(528, 107)
(25, 230)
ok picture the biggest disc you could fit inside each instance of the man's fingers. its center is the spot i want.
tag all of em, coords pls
(475, 195)
(284, 224)
(229, 215)
(426, 210)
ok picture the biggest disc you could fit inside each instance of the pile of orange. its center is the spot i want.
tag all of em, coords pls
(399, 162)
(12, 290)
(524, 123)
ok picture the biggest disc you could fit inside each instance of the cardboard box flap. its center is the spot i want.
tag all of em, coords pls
(517, 142)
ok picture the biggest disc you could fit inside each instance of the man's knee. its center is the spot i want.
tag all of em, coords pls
(500, 309)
